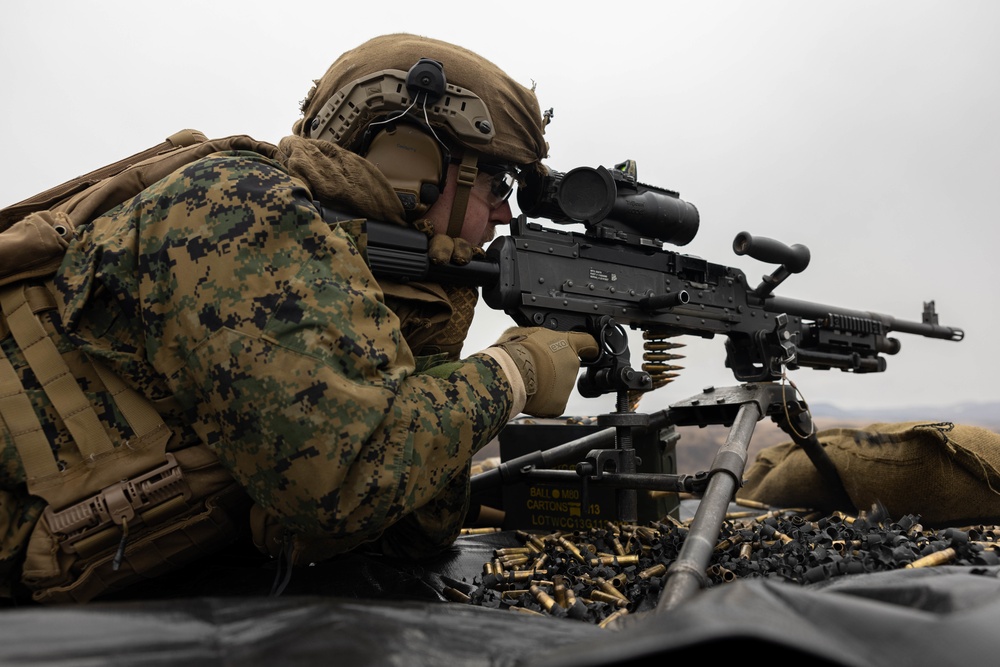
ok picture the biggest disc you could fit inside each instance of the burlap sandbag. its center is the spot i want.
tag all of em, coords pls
(948, 474)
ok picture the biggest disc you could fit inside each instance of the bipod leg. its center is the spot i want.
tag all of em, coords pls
(686, 575)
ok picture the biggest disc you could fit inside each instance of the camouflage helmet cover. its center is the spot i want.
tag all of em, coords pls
(514, 111)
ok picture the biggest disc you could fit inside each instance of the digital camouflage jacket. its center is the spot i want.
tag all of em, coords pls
(222, 295)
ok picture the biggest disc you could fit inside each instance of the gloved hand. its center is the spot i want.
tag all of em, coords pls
(443, 249)
(548, 362)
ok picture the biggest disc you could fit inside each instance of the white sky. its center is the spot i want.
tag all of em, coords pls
(867, 131)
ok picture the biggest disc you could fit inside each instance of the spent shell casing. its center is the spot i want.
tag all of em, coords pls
(547, 602)
(936, 558)
(456, 595)
(571, 549)
(531, 540)
(540, 562)
(609, 588)
(616, 544)
(729, 542)
(613, 600)
(512, 551)
(514, 593)
(612, 618)
(512, 562)
(657, 570)
(525, 610)
(614, 560)
(559, 590)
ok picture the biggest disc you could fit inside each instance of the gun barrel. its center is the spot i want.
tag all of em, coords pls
(808, 309)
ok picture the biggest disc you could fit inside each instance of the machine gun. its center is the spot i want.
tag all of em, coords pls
(617, 274)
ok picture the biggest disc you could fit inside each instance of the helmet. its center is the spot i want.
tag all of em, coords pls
(406, 103)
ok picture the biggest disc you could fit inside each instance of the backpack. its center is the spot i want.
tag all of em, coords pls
(34, 233)
(127, 510)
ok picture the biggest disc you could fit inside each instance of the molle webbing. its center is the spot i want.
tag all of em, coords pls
(20, 305)
(59, 384)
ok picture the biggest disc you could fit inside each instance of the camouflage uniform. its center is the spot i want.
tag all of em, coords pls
(222, 288)
(339, 409)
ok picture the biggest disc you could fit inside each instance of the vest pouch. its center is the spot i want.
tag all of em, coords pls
(164, 536)
(34, 246)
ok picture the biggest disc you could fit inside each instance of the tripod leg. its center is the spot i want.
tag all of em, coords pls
(686, 575)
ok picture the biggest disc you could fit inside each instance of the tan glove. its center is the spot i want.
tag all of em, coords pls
(443, 249)
(548, 362)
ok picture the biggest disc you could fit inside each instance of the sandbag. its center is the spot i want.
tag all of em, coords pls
(948, 474)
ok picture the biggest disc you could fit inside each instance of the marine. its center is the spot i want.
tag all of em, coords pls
(213, 357)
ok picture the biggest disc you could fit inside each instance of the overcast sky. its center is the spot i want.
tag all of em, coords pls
(867, 131)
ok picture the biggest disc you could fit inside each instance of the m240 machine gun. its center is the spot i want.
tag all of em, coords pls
(618, 273)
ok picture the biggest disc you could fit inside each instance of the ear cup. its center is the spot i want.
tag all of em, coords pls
(429, 193)
(411, 161)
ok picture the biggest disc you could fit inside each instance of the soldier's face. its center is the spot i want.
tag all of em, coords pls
(480, 219)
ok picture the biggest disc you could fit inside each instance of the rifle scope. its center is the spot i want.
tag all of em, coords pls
(609, 203)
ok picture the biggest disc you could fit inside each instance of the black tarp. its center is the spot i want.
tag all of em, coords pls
(368, 611)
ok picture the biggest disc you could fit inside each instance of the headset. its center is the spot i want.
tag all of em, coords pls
(399, 112)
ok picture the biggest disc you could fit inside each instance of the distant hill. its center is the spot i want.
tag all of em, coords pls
(986, 414)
